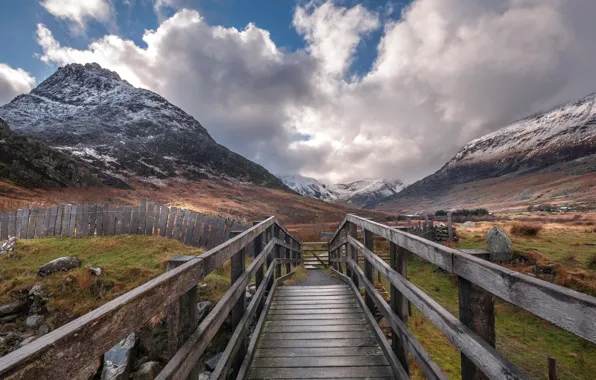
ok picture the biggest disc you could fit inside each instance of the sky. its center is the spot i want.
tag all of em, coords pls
(338, 90)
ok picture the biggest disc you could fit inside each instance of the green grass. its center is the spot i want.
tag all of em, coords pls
(127, 260)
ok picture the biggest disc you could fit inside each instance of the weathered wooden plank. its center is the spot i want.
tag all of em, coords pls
(52, 221)
(316, 351)
(156, 218)
(313, 329)
(212, 241)
(65, 232)
(134, 220)
(113, 211)
(4, 226)
(92, 219)
(190, 228)
(85, 220)
(317, 322)
(32, 223)
(18, 223)
(12, 220)
(318, 316)
(73, 220)
(221, 231)
(481, 353)
(294, 343)
(313, 312)
(322, 361)
(179, 223)
(150, 219)
(320, 298)
(163, 219)
(228, 229)
(119, 218)
(184, 226)
(196, 234)
(316, 292)
(310, 302)
(142, 216)
(79, 222)
(319, 373)
(205, 232)
(43, 232)
(126, 218)
(346, 305)
(24, 221)
(105, 220)
(171, 222)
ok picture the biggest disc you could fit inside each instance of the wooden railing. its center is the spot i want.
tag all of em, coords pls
(473, 333)
(73, 350)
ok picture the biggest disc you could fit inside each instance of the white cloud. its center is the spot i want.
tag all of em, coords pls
(79, 12)
(13, 82)
(447, 71)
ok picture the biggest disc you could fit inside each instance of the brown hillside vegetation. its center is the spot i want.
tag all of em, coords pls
(240, 201)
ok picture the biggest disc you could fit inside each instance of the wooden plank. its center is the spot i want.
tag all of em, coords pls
(156, 218)
(105, 220)
(171, 222)
(319, 373)
(18, 223)
(308, 343)
(320, 298)
(79, 222)
(113, 211)
(178, 224)
(320, 311)
(142, 216)
(150, 218)
(65, 232)
(399, 305)
(163, 219)
(229, 227)
(282, 317)
(196, 234)
(481, 353)
(134, 220)
(32, 223)
(4, 226)
(221, 231)
(52, 221)
(313, 328)
(315, 351)
(126, 218)
(310, 302)
(205, 232)
(119, 218)
(73, 220)
(212, 241)
(85, 220)
(184, 226)
(12, 220)
(322, 361)
(190, 228)
(24, 221)
(346, 305)
(43, 228)
(317, 322)
(92, 219)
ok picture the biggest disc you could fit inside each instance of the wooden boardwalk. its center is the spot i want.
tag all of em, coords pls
(318, 332)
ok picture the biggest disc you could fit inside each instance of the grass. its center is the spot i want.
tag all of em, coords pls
(525, 229)
(127, 260)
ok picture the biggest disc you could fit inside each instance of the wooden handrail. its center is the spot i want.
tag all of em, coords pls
(72, 350)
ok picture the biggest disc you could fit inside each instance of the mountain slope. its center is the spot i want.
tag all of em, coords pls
(94, 115)
(32, 164)
(542, 143)
(359, 193)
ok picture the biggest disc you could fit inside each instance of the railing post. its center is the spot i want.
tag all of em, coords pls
(352, 231)
(476, 311)
(238, 266)
(368, 269)
(289, 253)
(398, 260)
(277, 250)
(258, 247)
(182, 317)
(449, 226)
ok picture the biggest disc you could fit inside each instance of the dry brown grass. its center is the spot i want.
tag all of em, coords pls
(525, 229)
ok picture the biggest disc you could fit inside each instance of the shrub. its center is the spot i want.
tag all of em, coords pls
(525, 229)
(441, 213)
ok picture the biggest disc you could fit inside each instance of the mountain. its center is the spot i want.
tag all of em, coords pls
(92, 114)
(29, 163)
(560, 143)
(359, 193)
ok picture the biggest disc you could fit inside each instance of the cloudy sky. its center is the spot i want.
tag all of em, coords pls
(337, 90)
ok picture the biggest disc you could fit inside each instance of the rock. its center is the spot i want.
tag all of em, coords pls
(499, 245)
(61, 264)
(34, 321)
(43, 330)
(252, 288)
(140, 362)
(211, 363)
(37, 291)
(468, 224)
(96, 271)
(117, 362)
(147, 371)
(203, 308)
(28, 340)
(8, 245)
(248, 296)
(8, 318)
(205, 375)
(11, 308)
(7, 339)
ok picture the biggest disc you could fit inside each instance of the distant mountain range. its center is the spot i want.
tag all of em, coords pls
(543, 158)
(123, 132)
(357, 193)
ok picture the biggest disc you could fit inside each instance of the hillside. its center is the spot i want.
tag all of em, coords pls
(92, 114)
(357, 193)
(535, 160)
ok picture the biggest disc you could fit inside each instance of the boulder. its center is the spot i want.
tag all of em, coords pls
(34, 321)
(43, 330)
(203, 308)
(499, 245)
(38, 298)
(211, 363)
(469, 224)
(8, 245)
(147, 371)
(118, 361)
(61, 264)
(11, 308)
(8, 318)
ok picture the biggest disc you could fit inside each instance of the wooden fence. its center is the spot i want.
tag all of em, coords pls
(149, 218)
(73, 350)
(478, 280)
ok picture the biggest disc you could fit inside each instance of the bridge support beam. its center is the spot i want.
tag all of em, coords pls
(368, 269)
(476, 311)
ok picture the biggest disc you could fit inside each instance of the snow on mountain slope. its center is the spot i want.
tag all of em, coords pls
(359, 193)
(562, 135)
(92, 114)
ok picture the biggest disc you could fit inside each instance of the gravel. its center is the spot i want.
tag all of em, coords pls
(318, 278)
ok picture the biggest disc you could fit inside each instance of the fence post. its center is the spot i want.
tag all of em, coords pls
(289, 252)
(182, 316)
(350, 251)
(398, 260)
(552, 368)
(449, 226)
(344, 252)
(368, 269)
(258, 247)
(238, 266)
(476, 311)
(277, 250)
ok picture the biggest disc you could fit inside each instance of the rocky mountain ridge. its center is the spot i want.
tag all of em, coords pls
(126, 132)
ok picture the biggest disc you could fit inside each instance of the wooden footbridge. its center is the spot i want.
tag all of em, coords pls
(292, 332)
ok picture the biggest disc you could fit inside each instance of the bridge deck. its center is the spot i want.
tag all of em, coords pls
(317, 332)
